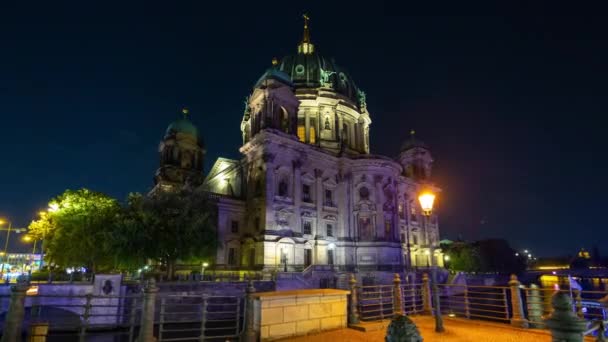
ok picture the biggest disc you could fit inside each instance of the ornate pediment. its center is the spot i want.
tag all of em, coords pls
(308, 214)
(330, 218)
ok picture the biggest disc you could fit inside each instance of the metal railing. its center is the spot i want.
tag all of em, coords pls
(200, 317)
(480, 302)
(378, 302)
(585, 304)
(83, 315)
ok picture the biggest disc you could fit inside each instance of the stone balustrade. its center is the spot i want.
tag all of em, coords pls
(294, 313)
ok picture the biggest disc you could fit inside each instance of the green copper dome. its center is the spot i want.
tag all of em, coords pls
(275, 74)
(412, 142)
(311, 70)
(184, 126)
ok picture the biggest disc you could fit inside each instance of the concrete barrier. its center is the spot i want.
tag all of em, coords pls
(284, 314)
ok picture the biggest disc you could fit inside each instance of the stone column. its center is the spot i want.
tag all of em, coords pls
(565, 326)
(250, 334)
(297, 195)
(353, 313)
(397, 296)
(16, 311)
(518, 318)
(535, 307)
(426, 295)
(146, 332)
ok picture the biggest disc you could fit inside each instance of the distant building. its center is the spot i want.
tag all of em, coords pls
(307, 190)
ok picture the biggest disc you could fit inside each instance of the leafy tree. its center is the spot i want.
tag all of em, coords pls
(78, 228)
(167, 227)
(463, 257)
(495, 255)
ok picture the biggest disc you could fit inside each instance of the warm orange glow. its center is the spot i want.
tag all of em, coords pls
(2, 221)
(27, 238)
(313, 135)
(552, 267)
(32, 291)
(426, 202)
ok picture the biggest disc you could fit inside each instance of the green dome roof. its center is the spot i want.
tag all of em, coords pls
(305, 71)
(412, 142)
(276, 74)
(182, 125)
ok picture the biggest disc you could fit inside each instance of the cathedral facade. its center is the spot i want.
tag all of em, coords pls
(307, 191)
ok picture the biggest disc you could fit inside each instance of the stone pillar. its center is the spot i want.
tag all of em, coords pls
(250, 334)
(518, 318)
(16, 311)
(535, 307)
(38, 332)
(397, 296)
(146, 332)
(565, 326)
(353, 314)
(426, 295)
(578, 303)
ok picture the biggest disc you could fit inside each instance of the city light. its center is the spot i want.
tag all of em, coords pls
(426, 202)
(446, 257)
(27, 238)
(53, 207)
(205, 264)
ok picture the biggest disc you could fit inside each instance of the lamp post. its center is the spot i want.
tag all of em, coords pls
(29, 238)
(5, 251)
(426, 203)
(203, 266)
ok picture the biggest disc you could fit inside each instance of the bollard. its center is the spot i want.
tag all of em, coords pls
(426, 295)
(565, 326)
(16, 311)
(518, 318)
(146, 332)
(353, 317)
(535, 307)
(250, 310)
(38, 332)
(397, 296)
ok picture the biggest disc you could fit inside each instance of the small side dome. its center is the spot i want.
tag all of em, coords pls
(273, 73)
(412, 142)
(184, 126)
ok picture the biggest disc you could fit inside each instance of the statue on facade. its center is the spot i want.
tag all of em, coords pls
(362, 99)
(325, 75)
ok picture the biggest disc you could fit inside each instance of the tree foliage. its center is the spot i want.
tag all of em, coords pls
(167, 227)
(77, 231)
(491, 255)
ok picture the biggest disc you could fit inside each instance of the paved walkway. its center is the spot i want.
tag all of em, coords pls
(456, 330)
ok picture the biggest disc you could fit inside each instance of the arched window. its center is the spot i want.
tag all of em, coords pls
(283, 188)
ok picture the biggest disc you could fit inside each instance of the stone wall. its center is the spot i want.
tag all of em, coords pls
(294, 313)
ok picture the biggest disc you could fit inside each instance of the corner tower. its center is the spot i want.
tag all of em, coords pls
(181, 155)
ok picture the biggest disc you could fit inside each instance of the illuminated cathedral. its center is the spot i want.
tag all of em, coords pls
(307, 192)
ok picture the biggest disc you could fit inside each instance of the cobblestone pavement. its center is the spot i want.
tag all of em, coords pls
(456, 330)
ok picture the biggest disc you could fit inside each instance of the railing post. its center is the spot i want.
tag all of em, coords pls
(397, 296)
(204, 317)
(535, 307)
(381, 301)
(563, 323)
(578, 303)
(146, 332)
(85, 317)
(16, 311)
(250, 332)
(467, 305)
(518, 318)
(353, 317)
(426, 295)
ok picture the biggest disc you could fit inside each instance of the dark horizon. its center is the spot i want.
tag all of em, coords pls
(510, 101)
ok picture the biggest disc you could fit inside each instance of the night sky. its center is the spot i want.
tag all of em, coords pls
(510, 99)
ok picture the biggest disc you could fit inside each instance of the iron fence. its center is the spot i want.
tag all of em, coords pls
(480, 302)
(200, 317)
(378, 302)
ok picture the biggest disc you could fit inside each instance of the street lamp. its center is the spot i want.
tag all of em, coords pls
(5, 251)
(427, 199)
(29, 238)
(203, 266)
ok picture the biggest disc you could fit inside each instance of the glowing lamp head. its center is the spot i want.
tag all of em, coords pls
(27, 238)
(2, 221)
(446, 257)
(331, 245)
(205, 264)
(426, 202)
